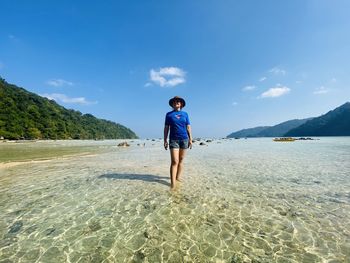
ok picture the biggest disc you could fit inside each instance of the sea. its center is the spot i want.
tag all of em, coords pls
(240, 200)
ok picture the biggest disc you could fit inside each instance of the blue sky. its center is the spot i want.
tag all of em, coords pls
(238, 64)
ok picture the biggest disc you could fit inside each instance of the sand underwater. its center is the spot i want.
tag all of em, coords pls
(241, 200)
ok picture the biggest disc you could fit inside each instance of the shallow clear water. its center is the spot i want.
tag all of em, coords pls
(242, 200)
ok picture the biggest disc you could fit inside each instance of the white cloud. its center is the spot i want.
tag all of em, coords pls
(148, 84)
(278, 71)
(333, 80)
(320, 91)
(234, 103)
(262, 79)
(275, 92)
(168, 77)
(59, 83)
(249, 88)
(298, 81)
(65, 99)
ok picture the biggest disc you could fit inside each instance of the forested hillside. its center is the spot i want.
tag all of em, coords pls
(25, 115)
(333, 123)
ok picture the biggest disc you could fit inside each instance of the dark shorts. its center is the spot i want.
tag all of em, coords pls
(178, 144)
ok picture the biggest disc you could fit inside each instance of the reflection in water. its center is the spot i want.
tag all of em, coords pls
(241, 201)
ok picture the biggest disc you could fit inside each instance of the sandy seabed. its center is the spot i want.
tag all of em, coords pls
(240, 201)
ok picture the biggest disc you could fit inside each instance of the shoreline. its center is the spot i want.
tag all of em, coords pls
(53, 140)
(5, 165)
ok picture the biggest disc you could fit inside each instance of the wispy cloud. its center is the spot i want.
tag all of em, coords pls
(333, 80)
(320, 91)
(59, 83)
(167, 77)
(277, 71)
(234, 103)
(58, 97)
(275, 92)
(13, 38)
(249, 88)
(262, 79)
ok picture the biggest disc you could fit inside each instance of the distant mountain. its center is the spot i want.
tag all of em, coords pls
(26, 115)
(282, 128)
(333, 123)
(269, 131)
(251, 132)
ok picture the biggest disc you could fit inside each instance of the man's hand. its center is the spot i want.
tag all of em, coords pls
(190, 144)
(166, 145)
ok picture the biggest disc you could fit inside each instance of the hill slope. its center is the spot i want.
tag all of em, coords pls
(333, 123)
(251, 132)
(268, 131)
(282, 128)
(26, 115)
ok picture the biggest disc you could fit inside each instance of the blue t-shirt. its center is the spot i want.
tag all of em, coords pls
(178, 121)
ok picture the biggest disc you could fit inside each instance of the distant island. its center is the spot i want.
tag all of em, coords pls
(334, 123)
(25, 115)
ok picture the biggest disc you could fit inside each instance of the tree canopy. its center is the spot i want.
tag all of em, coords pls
(25, 115)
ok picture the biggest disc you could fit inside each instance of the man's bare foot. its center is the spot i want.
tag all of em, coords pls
(179, 180)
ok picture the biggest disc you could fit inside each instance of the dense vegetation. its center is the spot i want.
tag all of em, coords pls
(333, 123)
(25, 115)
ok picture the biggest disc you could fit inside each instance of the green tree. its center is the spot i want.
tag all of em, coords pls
(33, 133)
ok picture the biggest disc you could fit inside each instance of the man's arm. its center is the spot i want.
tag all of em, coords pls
(166, 132)
(189, 132)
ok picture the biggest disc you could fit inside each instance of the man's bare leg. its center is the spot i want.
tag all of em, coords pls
(182, 153)
(174, 166)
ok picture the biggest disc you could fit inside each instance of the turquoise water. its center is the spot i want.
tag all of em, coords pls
(241, 200)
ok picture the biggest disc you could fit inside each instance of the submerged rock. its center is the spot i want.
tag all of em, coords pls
(123, 144)
(49, 231)
(146, 234)
(16, 227)
(94, 226)
(139, 256)
(236, 259)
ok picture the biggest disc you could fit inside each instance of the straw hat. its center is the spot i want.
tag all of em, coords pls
(183, 102)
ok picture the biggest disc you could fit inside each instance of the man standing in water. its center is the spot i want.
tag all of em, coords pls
(180, 137)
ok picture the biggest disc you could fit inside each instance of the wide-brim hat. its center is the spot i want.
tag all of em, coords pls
(183, 102)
